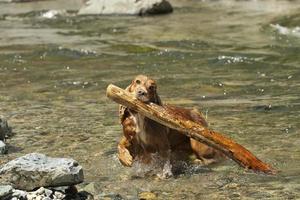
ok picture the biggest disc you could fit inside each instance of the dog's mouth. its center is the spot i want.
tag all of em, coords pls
(144, 99)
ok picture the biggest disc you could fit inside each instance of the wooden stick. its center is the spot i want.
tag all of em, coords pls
(192, 129)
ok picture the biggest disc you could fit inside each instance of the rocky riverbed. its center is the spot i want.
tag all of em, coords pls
(39, 177)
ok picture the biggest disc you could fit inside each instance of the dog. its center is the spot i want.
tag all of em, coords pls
(143, 137)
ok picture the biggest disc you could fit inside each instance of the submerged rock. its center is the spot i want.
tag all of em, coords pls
(110, 196)
(3, 148)
(37, 170)
(92, 188)
(147, 196)
(126, 7)
(5, 130)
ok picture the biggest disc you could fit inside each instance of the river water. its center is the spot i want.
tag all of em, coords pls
(238, 61)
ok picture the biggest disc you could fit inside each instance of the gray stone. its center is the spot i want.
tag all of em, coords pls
(5, 130)
(126, 7)
(3, 148)
(48, 192)
(47, 198)
(92, 188)
(31, 196)
(37, 170)
(59, 195)
(40, 191)
(5, 190)
(20, 194)
(62, 189)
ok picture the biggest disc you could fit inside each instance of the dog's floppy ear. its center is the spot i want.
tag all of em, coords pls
(123, 112)
(157, 99)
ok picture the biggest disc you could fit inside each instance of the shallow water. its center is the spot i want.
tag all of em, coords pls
(236, 60)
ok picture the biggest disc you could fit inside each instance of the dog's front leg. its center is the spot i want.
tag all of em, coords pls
(123, 152)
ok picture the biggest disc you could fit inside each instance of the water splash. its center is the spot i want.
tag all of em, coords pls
(235, 59)
(52, 14)
(158, 166)
(286, 31)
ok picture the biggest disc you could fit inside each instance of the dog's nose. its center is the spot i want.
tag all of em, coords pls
(141, 92)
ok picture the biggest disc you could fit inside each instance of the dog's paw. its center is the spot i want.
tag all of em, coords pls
(125, 158)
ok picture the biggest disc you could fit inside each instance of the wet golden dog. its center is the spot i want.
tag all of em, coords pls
(143, 136)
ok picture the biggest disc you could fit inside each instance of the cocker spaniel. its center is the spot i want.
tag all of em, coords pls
(143, 137)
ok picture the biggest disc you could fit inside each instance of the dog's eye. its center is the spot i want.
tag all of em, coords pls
(138, 82)
(152, 87)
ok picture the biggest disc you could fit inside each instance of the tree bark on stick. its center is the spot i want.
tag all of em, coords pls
(163, 115)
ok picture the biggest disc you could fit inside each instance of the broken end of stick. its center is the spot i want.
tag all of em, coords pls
(260, 167)
(267, 169)
(109, 88)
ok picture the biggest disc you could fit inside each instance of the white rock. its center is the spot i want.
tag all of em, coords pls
(39, 197)
(19, 194)
(59, 195)
(125, 7)
(31, 196)
(40, 191)
(48, 192)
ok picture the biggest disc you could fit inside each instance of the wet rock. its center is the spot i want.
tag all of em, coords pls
(147, 196)
(110, 196)
(47, 194)
(5, 191)
(37, 170)
(44, 194)
(5, 130)
(126, 7)
(85, 195)
(3, 148)
(59, 195)
(91, 188)
(19, 194)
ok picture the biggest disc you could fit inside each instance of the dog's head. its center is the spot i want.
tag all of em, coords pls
(144, 89)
